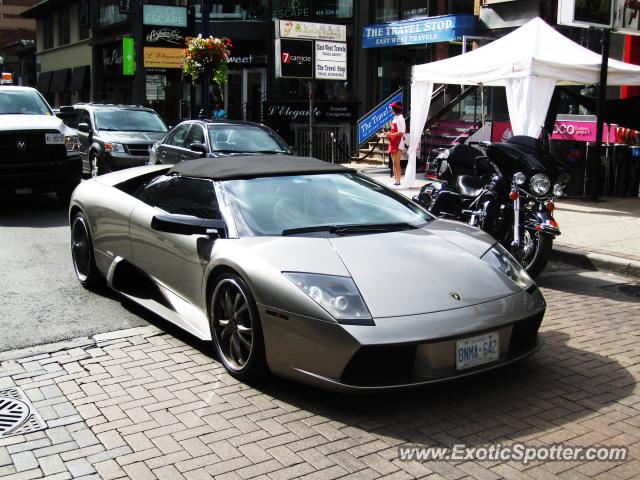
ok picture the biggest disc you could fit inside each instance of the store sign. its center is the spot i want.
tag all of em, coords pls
(128, 56)
(378, 118)
(445, 28)
(312, 31)
(157, 57)
(294, 58)
(164, 15)
(567, 130)
(299, 111)
(156, 87)
(331, 60)
(164, 36)
(111, 57)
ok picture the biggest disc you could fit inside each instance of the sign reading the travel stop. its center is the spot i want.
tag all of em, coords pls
(375, 120)
(315, 57)
(331, 60)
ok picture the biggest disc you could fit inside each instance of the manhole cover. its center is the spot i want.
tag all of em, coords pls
(626, 289)
(17, 414)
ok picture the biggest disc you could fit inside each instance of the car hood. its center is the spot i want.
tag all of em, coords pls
(132, 137)
(30, 122)
(420, 271)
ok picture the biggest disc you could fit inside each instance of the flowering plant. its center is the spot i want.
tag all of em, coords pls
(204, 55)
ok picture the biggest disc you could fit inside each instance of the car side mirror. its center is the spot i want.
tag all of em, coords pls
(84, 127)
(200, 148)
(187, 225)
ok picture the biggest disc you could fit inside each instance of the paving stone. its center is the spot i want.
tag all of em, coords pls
(24, 461)
(79, 467)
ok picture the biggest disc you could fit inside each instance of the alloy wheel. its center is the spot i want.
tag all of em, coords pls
(80, 249)
(94, 165)
(233, 324)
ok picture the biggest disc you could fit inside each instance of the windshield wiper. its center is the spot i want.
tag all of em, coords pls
(352, 228)
(270, 151)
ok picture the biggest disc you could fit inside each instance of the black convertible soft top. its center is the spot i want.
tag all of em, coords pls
(252, 166)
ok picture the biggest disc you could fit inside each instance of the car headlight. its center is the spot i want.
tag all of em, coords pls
(72, 143)
(339, 296)
(540, 184)
(114, 147)
(501, 260)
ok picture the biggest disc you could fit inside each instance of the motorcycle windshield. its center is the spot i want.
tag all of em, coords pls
(521, 154)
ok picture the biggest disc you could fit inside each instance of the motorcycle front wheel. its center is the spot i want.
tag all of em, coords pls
(534, 251)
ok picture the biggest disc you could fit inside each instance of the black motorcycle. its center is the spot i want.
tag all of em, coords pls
(506, 189)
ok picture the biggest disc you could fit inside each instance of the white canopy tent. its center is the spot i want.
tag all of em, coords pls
(529, 62)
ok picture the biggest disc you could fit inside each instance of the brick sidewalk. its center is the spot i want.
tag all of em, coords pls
(144, 404)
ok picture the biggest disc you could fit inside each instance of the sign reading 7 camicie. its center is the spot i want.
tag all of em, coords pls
(377, 118)
(164, 15)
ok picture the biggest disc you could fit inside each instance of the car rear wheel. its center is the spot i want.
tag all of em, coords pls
(236, 329)
(82, 255)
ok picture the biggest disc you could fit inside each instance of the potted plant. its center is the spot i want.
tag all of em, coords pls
(206, 56)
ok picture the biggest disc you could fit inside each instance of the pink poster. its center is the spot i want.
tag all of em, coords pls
(574, 130)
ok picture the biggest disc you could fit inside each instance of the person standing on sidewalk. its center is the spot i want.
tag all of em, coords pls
(395, 136)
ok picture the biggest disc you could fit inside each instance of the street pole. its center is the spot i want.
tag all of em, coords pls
(595, 160)
(204, 84)
(311, 118)
(139, 80)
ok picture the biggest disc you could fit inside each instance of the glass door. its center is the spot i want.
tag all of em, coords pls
(233, 95)
(254, 88)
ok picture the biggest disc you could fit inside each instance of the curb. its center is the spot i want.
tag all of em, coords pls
(596, 261)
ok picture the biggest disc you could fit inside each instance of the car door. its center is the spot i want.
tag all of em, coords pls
(172, 149)
(177, 261)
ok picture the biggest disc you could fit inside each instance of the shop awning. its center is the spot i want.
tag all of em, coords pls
(59, 80)
(79, 78)
(44, 81)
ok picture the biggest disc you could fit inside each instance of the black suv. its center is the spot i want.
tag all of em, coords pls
(113, 137)
(38, 153)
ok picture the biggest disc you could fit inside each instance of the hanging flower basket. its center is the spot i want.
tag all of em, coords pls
(206, 56)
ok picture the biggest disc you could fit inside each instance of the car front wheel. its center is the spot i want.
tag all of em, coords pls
(236, 329)
(98, 165)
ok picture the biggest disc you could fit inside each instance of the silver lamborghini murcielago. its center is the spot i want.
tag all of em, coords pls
(306, 269)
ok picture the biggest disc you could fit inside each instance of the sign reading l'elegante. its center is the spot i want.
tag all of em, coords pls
(158, 57)
(379, 117)
(445, 28)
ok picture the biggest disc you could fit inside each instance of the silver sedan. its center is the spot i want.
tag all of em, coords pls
(307, 270)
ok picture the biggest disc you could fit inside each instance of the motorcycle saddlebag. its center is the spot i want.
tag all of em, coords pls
(446, 204)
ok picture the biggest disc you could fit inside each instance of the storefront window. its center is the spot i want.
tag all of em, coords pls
(109, 13)
(385, 11)
(234, 10)
(309, 10)
(416, 8)
(460, 7)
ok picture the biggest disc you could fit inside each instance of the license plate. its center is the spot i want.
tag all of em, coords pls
(54, 138)
(20, 191)
(474, 351)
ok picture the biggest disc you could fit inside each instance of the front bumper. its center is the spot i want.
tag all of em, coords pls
(120, 161)
(399, 352)
(42, 176)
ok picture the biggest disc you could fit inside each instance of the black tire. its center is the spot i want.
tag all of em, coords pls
(82, 254)
(98, 165)
(236, 330)
(535, 262)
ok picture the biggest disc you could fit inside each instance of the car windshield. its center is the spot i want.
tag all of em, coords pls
(319, 205)
(25, 102)
(128, 120)
(246, 139)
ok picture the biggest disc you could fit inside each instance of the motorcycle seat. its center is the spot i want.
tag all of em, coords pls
(469, 186)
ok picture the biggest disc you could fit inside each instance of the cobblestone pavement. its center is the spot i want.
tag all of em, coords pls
(144, 403)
